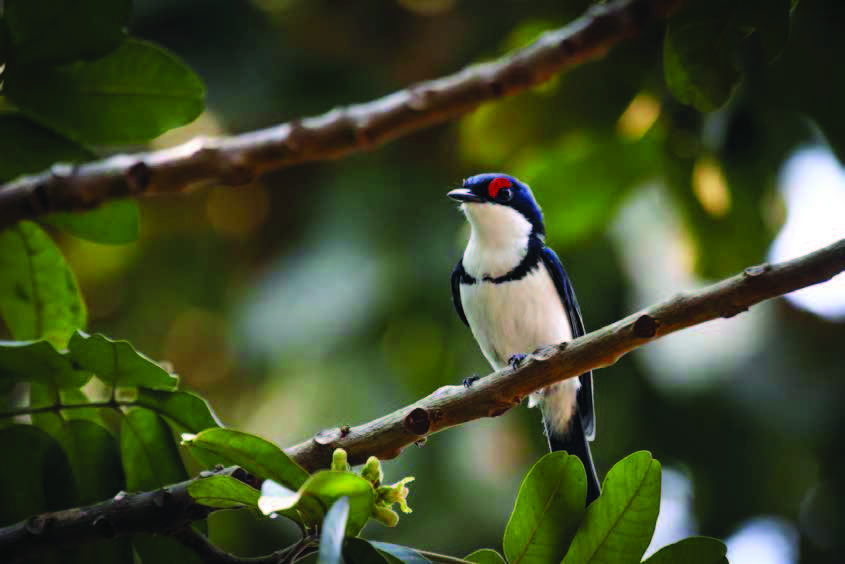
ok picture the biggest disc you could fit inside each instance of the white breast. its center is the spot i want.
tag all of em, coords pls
(518, 317)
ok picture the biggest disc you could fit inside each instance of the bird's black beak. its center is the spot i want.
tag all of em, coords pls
(464, 195)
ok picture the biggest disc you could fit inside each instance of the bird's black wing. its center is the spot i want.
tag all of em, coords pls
(582, 428)
(457, 274)
(586, 406)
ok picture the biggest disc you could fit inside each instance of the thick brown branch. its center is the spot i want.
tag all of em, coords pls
(494, 395)
(238, 160)
(168, 511)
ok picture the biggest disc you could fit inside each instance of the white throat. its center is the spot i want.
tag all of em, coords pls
(498, 241)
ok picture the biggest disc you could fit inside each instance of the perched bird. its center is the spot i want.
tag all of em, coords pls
(512, 292)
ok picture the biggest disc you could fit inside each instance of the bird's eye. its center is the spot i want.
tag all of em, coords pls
(505, 195)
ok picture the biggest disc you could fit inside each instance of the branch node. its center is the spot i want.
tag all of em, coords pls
(37, 524)
(344, 430)
(326, 437)
(418, 421)
(138, 177)
(40, 199)
(162, 498)
(753, 271)
(645, 327)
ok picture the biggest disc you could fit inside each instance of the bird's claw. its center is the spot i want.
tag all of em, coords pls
(469, 381)
(515, 360)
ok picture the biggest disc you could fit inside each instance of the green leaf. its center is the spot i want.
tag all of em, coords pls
(94, 458)
(548, 510)
(223, 491)
(255, 455)
(692, 550)
(401, 553)
(485, 556)
(697, 72)
(38, 361)
(360, 551)
(149, 453)
(133, 94)
(113, 223)
(332, 533)
(118, 363)
(27, 147)
(35, 476)
(163, 550)
(57, 31)
(320, 491)
(188, 411)
(618, 526)
(39, 298)
(704, 41)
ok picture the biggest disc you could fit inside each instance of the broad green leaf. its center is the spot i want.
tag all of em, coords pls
(704, 41)
(548, 510)
(38, 361)
(692, 550)
(359, 551)
(485, 556)
(697, 72)
(401, 553)
(118, 363)
(223, 491)
(113, 223)
(187, 410)
(320, 491)
(618, 526)
(149, 453)
(35, 476)
(94, 458)
(255, 455)
(56, 31)
(165, 550)
(27, 147)
(133, 94)
(39, 298)
(332, 533)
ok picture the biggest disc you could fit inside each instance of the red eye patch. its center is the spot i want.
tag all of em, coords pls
(497, 184)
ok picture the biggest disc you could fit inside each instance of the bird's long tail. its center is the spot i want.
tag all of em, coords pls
(575, 442)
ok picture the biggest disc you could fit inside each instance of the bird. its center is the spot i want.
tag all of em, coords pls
(511, 290)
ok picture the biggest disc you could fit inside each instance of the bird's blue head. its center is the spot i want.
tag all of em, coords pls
(497, 189)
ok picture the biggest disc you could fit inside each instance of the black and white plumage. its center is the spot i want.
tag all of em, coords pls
(513, 293)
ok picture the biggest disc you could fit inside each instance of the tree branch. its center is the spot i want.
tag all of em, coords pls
(497, 393)
(171, 510)
(239, 159)
(164, 511)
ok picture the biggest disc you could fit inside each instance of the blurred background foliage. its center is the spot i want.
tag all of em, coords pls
(319, 295)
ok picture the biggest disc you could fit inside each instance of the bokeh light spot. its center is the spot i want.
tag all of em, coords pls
(638, 117)
(710, 187)
(813, 185)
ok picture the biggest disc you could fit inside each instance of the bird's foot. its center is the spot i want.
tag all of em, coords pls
(515, 360)
(468, 382)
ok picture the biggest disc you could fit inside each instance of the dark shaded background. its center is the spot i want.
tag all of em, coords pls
(320, 296)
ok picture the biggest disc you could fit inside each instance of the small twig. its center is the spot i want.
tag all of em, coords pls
(239, 159)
